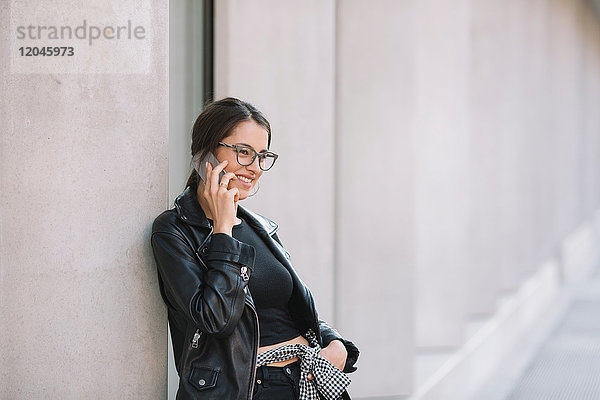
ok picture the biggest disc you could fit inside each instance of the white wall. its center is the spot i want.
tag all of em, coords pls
(442, 86)
(452, 154)
(376, 103)
(280, 56)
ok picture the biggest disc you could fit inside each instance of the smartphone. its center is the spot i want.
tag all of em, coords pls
(200, 166)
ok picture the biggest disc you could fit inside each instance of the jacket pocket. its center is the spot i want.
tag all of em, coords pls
(203, 378)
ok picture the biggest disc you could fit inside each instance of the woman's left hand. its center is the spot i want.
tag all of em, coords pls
(335, 353)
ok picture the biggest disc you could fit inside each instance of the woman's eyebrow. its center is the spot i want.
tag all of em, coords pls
(247, 145)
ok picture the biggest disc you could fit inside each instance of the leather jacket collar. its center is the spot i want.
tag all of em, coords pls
(189, 210)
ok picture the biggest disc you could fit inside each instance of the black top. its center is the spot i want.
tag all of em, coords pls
(271, 288)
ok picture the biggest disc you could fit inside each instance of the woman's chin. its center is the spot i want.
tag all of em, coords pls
(243, 194)
(244, 191)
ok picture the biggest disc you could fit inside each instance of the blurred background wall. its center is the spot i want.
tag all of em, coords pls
(438, 184)
(436, 156)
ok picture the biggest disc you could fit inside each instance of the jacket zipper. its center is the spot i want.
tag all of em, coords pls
(244, 273)
(198, 333)
(253, 375)
(195, 339)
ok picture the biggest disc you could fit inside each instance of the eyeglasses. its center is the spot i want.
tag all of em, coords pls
(246, 156)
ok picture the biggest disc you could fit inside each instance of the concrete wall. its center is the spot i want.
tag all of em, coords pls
(452, 159)
(83, 172)
(376, 189)
(280, 56)
(445, 153)
(442, 88)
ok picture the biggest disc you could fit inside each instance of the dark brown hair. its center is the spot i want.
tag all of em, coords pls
(216, 122)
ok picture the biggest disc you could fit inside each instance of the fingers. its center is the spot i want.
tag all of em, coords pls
(226, 178)
(219, 199)
(212, 175)
(207, 180)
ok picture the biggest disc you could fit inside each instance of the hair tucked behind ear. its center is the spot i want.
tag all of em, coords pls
(215, 123)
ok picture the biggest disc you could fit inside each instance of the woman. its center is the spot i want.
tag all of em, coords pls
(223, 273)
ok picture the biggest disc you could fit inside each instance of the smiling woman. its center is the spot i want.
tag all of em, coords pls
(224, 272)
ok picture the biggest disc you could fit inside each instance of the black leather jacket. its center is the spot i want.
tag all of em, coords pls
(203, 279)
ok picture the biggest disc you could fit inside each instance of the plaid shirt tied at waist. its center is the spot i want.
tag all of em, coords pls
(329, 381)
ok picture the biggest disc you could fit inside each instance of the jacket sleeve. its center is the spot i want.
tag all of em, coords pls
(211, 295)
(328, 334)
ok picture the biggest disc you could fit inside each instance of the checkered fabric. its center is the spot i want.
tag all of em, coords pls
(329, 381)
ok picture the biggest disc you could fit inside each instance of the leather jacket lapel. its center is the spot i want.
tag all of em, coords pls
(266, 229)
(189, 210)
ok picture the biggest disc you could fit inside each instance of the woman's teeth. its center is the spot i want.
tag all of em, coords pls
(244, 179)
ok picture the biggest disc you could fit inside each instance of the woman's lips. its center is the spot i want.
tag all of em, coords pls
(245, 182)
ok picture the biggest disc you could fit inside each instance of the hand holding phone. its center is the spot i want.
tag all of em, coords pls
(219, 202)
(200, 166)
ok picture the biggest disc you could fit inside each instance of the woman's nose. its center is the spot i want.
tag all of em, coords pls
(254, 166)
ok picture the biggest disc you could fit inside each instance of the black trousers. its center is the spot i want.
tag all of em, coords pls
(277, 383)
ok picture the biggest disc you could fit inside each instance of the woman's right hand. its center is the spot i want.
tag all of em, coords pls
(220, 200)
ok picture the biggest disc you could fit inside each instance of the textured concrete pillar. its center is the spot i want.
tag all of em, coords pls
(522, 158)
(591, 119)
(570, 43)
(280, 56)
(487, 145)
(83, 172)
(376, 100)
(566, 83)
(442, 85)
(540, 201)
(511, 186)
